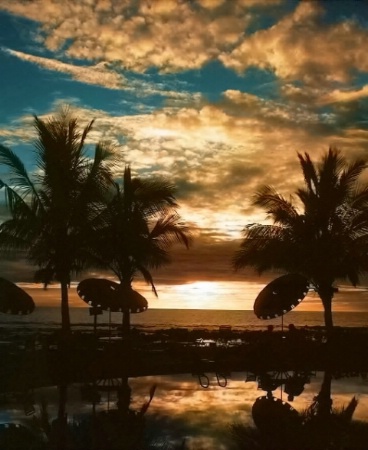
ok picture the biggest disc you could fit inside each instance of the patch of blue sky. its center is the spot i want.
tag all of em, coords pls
(36, 89)
(15, 31)
(214, 79)
(264, 18)
(26, 153)
(359, 79)
(115, 102)
(30, 88)
(164, 81)
(342, 10)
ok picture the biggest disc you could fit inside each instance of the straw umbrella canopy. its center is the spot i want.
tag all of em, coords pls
(281, 296)
(110, 296)
(14, 300)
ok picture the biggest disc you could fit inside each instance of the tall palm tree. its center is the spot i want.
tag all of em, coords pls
(140, 223)
(53, 210)
(326, 239)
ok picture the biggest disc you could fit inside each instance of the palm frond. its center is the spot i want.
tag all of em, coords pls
(147, 277)
(169, 229)
(309, 172)
(18, 174)
(349, 177)
(276, 206)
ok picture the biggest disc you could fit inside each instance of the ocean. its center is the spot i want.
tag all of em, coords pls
(154, 319)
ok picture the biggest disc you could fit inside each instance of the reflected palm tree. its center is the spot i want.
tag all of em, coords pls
(54, 210)
(55, 433)
(325, 241)
(319, 427)
(121, 428)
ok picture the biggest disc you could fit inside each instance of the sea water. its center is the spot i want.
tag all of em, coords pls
(154, 319)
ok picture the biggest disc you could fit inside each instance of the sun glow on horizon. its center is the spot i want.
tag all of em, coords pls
(211, 295)
(206, 294)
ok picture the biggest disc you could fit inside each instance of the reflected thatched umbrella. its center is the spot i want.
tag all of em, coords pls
(106, 295)
(281, 296)
(14, 300)
(272, 415)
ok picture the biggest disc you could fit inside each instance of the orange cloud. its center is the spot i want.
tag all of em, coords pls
(299, 47)
(168, 34)
(347, 95)
(98, 74)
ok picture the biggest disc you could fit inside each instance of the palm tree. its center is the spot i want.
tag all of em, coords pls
(54, 209)
(140, 225)
(325, 241)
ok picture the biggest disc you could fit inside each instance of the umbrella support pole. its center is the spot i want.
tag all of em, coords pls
(95, 323)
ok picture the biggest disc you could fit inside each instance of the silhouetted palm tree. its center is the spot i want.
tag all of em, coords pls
(140, 225)
(326, 240)
(53, 210)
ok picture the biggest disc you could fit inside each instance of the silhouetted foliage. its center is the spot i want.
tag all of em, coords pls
(53, 209)
(325, 240)
(140, 223)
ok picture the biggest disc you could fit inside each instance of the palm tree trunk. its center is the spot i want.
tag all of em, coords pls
(326, 294)
(126, 323)
(125, 287)
(65, 317)
(324, 396)
(62, 423)
(328, 314)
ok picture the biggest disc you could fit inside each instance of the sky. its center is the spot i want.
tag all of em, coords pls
(216, 95)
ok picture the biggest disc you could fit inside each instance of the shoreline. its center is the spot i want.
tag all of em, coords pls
(84, 357)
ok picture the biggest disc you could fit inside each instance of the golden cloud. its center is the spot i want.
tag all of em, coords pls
(218, 154)
(299, 47)
(168, 34)
(98, 74)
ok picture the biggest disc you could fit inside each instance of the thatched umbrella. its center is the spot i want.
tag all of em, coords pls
(106, 295)
(14, 300)
(281, 296)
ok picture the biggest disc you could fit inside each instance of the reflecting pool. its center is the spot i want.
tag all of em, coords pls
(177, 411)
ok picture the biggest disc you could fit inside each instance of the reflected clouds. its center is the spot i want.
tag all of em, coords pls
(204, 413)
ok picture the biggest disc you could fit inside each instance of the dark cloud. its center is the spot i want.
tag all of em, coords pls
(240, 172)
(16, 269)
(185, 188)
(206, 260)
(354, 113)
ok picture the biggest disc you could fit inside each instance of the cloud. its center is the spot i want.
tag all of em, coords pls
(177, 36)
(98, 74)
(346, 95)
(219, 153)
(169, 35)
(103, 75)
(301, 47)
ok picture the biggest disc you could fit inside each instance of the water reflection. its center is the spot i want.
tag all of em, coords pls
(165, 411)
(318, 426)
